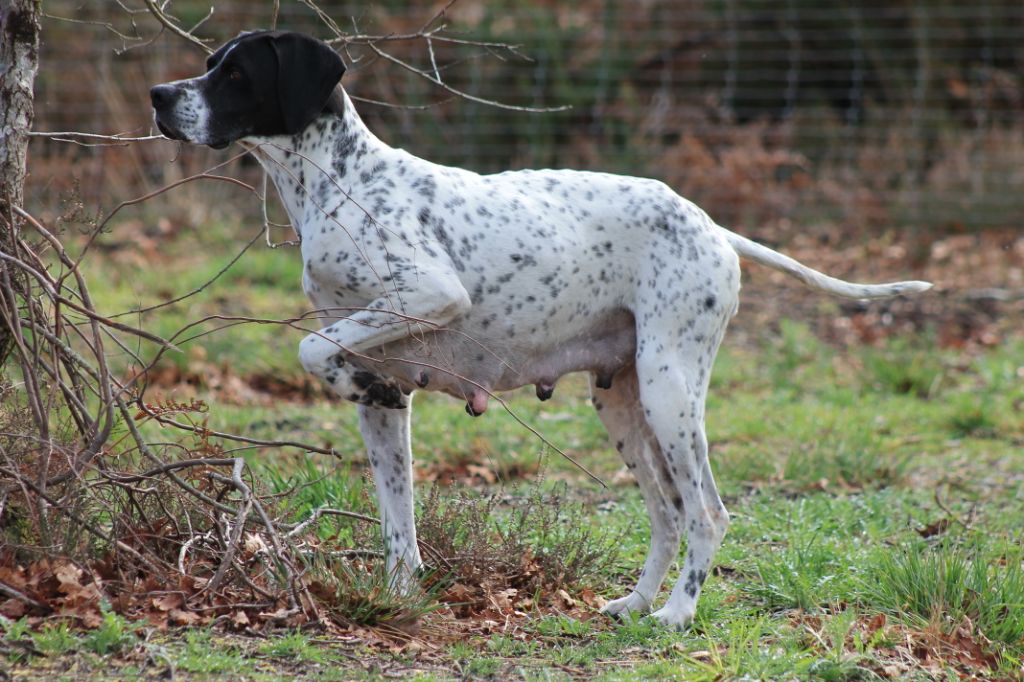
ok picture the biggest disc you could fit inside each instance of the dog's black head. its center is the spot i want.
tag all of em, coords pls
(262, 83)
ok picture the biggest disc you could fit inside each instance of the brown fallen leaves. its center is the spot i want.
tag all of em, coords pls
(493, 599)
(473, 598)
(899, 649)
(59, 587)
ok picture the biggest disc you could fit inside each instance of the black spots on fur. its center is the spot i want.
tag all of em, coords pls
(477, 294)
(602, 250)
(694, 579)
(691, 585)
(376, 391)
(523, 260)
(338, 361)
(384, 395)
(709, 302)
(426, 187)
(437, 226)
(454, 203)
(364, 379)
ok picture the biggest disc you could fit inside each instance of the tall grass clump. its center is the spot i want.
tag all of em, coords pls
(805, 575)
(943, 585)
(541, 540)
(364, 592)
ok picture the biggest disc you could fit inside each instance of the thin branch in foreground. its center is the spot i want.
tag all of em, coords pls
(102, 140)
(461, 93)
(169, 23)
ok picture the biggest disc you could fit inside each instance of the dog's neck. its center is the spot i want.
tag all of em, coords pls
(310, 167)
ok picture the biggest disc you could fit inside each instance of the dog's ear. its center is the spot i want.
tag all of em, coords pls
(307, 71)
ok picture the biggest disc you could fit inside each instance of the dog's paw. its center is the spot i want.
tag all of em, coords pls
(674, 619)
(386, 394)
(366, 388)
(633, 603)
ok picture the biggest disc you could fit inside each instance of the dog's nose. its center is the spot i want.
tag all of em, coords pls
(161, 95)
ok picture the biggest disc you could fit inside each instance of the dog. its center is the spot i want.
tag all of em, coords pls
(437, 278)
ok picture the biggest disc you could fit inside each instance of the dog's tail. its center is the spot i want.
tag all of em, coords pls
(817, 280)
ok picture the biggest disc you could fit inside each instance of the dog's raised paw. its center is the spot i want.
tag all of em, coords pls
(389, 396)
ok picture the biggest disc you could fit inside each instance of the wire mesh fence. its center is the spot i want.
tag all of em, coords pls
(861, 114)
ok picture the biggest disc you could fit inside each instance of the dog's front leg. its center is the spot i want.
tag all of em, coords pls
(388, 445)
(328, 353)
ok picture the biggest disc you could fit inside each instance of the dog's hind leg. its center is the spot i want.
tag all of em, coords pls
(386, 433)
(620, 410)
(673, 396)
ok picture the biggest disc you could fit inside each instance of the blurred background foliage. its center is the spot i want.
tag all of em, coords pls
(768, 113)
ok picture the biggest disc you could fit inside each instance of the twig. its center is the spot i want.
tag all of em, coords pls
(199, 289)
(294, 596)
(232, 543)
(20, 596)
(81, 521)
(203, 431)
(950, 513)
(169, 24)
(465, 95)
(328, 511)
(106, 140)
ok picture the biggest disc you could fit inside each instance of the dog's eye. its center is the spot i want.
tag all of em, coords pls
(235, 74)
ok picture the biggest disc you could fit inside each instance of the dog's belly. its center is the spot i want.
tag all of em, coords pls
(467, 361)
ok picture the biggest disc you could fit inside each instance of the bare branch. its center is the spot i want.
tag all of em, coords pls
(172, 26)
(74, 137)
(465, 95)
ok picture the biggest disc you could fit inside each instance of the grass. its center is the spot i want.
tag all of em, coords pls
(942, 586)
(837, 467)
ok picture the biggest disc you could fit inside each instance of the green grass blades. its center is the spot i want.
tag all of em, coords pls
(361, 591)
(942, 585)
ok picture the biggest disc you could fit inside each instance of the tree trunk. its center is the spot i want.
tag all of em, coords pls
(19, 59)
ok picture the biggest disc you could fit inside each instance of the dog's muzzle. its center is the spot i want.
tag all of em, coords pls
(163, 98)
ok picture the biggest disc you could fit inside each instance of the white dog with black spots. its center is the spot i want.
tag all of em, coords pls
(438, 278)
